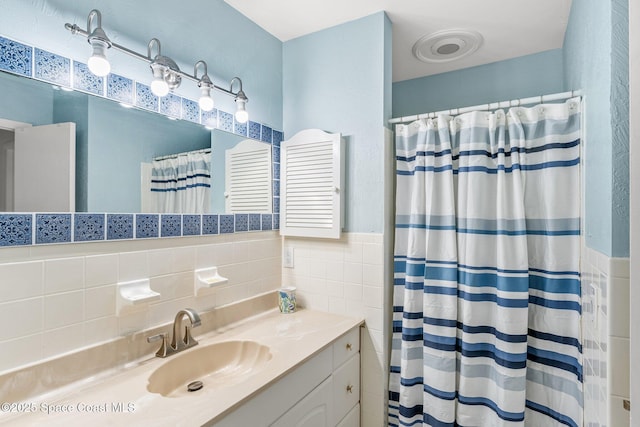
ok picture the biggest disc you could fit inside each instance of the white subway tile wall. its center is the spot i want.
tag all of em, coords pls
(60, 301)
(605, 329)
(346, 276)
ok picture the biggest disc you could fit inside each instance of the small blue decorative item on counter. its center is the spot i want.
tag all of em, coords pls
(287, 299)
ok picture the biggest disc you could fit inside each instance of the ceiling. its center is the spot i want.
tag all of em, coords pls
(509, 28)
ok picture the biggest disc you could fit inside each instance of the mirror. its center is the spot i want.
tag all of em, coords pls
(112, 142)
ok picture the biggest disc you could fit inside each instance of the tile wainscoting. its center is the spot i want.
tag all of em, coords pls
(605, 330)
(346, 276)
(60, 298)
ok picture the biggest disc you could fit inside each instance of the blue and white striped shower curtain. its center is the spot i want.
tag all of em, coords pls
(182, 183)
(486, 322)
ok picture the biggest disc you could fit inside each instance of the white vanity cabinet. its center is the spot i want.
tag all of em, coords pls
(322, 392)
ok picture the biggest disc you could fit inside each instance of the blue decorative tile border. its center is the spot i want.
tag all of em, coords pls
(24, 229)
(31, 61)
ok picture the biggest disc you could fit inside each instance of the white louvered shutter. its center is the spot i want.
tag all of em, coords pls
(311, 185)
(248, 177)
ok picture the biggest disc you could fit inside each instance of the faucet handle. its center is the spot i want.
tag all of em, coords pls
(164, 349)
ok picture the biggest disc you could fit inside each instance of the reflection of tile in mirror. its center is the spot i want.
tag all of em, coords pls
(276, 221)
(267, 221)
(267, 134)
(242, 222)
(254, 130)
(255, 222)
(277, 138)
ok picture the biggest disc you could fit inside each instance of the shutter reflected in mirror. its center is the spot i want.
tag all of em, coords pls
(248, 178)
(311, 185)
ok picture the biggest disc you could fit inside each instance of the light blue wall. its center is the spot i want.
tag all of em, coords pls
(339, 80)
(74, 107)
(522, 77)
(596, 61)
(22, 100)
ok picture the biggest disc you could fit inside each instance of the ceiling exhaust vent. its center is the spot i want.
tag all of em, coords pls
(448, 45)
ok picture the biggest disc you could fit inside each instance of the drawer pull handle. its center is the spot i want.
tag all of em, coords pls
(349, 347)
(350, 388)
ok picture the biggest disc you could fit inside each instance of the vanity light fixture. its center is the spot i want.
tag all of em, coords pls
(165, 71)
(241, 101)
(98, 63)
(205, 84)
(167, 76)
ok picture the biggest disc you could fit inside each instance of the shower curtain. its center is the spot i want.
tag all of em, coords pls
(486, 311)
(182, 184)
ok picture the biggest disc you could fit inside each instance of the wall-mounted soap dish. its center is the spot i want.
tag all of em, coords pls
(136, 293)
(206, 278)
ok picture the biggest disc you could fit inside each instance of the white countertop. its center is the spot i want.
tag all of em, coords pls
(123, 399)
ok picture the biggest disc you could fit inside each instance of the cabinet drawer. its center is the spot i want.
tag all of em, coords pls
(352, 419)
(346, 346)
(346, 388)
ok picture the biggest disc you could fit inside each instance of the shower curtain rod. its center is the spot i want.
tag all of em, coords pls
(175, 156)
(491, 106)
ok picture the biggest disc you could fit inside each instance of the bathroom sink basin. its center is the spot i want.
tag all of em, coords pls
(215, 365)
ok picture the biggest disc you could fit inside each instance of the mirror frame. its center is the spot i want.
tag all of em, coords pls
(34, 228)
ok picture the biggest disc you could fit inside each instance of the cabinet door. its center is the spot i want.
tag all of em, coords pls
(352, 419)
(312, 411)
(346, 388)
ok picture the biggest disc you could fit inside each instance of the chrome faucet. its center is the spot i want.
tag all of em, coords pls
(179, 341)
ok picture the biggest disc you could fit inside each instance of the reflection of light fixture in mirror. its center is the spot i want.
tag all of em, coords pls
(62, 88)
(98, 63)
(205, 85)
(166, 73)
(241, 101)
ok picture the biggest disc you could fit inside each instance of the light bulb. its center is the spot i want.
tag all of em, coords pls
(242, 116)
(159, 87)
(241, 113)
(205, 101)
(98, 63)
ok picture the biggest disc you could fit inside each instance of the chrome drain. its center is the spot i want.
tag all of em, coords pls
(194, 386)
